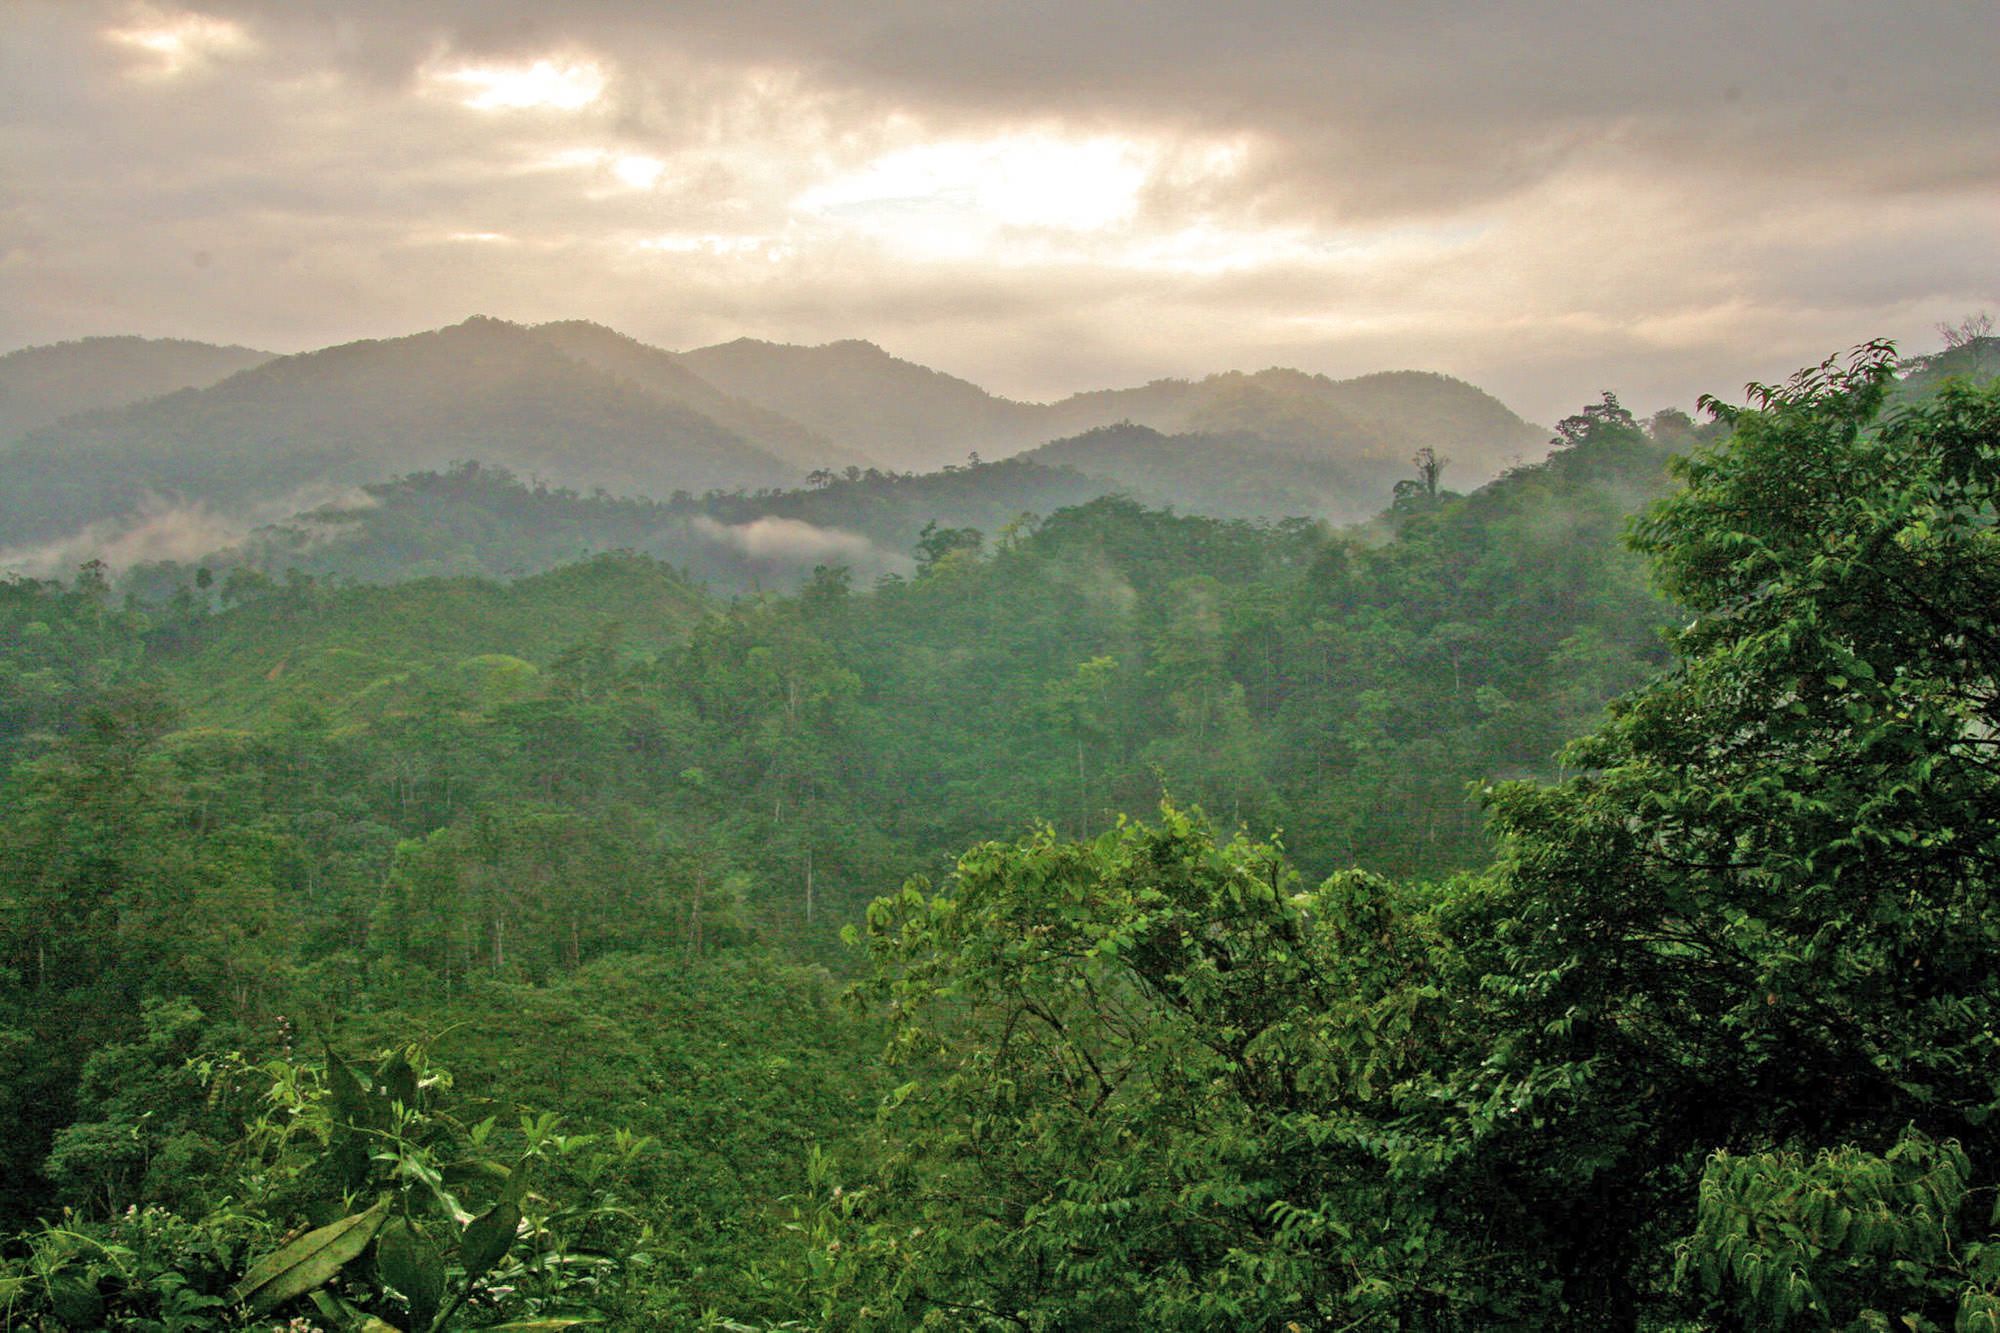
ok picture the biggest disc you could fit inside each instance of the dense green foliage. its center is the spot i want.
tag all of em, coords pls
(1711, 1041)
(1693, 1028)
(477, 519)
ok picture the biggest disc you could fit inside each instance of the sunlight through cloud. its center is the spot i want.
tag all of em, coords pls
(179, 42)
(551, 84)
(1017, 181)
(639, 171)
(716, 245)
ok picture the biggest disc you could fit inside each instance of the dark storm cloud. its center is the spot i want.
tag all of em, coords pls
(1545, 197)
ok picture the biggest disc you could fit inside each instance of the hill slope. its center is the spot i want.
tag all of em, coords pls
(1380, 418)
(909, 416)
(40, 385)
(1235, 475)
(351, 651)
(858, 395)
(474, 519)
(661, 372)
(276, 436)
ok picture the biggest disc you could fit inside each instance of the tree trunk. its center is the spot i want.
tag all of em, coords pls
(1082, 796)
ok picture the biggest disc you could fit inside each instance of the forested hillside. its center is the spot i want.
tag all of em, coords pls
(41, 385)
(476, 518)
(904, 414)
(300, 429)
(141, 452)
(1058, 912)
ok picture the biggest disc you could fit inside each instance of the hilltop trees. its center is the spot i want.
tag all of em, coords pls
(1766, 917)
(1713, 1037)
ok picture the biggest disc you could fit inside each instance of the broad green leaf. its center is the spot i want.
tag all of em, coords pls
(349, 1100)
(343, 1314)
(309, 1261)
(348, 1148)
(488, 1237)
(516, 1187)
(397, 1081)
(407, 1261)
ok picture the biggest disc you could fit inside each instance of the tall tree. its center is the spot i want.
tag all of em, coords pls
(1766, 914)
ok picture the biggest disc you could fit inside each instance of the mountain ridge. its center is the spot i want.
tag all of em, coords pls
(357, 412)
(42, 384)
(578, 404)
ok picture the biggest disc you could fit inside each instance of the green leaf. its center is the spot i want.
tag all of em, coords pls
(516, 1187)
(310, 1261)
(488, 1237)
(538, 1325)
(407, 1261)
(397, 1081)
(474, 1170)
(349, 1152)
(348, 1149)
(343, 1314)
(350, 1102)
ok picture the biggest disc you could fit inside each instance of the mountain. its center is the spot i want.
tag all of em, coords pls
(1378, 419)
(913, 417)
(576, 406)
(662, 373)
(1223, 475)
(273, 438)
(858, 395)
(40, 385)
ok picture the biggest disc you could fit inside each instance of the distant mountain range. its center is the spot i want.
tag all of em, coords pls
(40, 385)
(903, 414)
(101, 436)
(914, 417)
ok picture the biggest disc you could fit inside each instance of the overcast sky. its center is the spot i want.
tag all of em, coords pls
(1547, 199)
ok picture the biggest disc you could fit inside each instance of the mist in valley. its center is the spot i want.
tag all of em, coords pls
(745, 668)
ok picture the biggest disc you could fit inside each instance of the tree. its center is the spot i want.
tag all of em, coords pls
(1765, 916)
(1429, 467)
(1967, 331)
(1420, 493)
(942, 548)
(1149, 1088)
(1075, 703)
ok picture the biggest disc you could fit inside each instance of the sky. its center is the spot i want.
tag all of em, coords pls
(1548, 199)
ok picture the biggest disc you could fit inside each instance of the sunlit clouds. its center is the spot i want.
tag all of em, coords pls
(552, 84)
(165, 44)
(637, 170)
(1029, 180)
(1550, 204)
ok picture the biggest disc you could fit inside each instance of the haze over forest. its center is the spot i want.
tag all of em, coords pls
(755, 667)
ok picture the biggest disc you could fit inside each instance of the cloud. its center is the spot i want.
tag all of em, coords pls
(790, 541)
(168, 43)
(157, 531)
(547, 84)
(1546, 197)
(160, 529)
